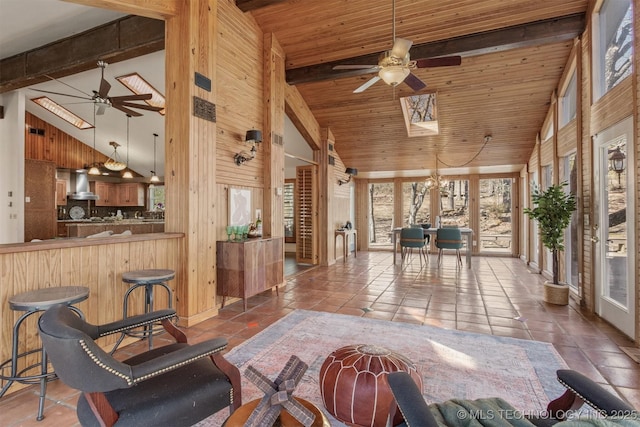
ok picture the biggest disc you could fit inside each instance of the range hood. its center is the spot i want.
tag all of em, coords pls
(82, 187)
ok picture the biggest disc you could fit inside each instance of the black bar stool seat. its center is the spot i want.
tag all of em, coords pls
(33, 302)
(147, 278)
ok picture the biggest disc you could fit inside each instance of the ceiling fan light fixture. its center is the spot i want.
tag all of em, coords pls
(393, 75)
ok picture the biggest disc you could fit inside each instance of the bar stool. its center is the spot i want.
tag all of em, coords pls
(32, 302)
(148, 279)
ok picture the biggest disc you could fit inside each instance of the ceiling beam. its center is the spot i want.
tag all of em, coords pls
(249, 5)
(524, 35)
(157, 9)
(115, 41)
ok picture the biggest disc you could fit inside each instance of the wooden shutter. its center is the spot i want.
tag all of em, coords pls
(306, 215)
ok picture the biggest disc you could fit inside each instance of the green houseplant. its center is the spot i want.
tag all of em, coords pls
(552, 209)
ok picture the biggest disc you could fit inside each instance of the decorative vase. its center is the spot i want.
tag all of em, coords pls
(556, 293)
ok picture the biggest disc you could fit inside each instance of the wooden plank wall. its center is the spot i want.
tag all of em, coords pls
(57, 146)
(340, 212)
(240, 92)
(98, 265)
(274, 102)
(567, 139)
(586, 172)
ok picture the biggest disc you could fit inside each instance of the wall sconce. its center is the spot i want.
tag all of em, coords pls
(349, 171)
(254, 137)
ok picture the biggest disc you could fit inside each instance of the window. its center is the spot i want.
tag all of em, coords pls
(613, 49)
(380, 214)
(495, 215)
(156, 198)
(454, 203)
(570, 175)
(568, 102)
(415, 203)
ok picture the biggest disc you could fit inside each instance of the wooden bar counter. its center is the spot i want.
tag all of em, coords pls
(95, 263)
(246, 268)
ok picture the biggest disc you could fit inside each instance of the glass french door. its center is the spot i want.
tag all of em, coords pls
(613, 227)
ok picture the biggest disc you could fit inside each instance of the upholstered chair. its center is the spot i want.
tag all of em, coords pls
(177, 384)
(457, 412)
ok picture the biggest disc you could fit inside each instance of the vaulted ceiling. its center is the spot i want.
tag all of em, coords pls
(513, 55)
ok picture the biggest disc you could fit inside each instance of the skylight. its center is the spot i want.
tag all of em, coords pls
(62, 112)
(420, 114)
(136, 84)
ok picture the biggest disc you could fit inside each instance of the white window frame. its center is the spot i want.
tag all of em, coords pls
(599, 42)
(568, 101)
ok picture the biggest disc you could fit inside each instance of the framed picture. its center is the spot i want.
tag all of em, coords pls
(239, 206)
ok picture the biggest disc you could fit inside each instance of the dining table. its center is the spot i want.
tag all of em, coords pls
(465, 231)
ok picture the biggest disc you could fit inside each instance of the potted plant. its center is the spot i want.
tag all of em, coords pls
(552, 209)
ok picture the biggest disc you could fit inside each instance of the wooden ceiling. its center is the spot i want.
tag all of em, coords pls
(503, 87)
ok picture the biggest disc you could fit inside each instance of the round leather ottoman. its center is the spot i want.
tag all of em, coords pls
(353, 386)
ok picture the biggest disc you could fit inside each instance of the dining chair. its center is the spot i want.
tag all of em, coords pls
(449, 238)
(427, 238)
(411, 238)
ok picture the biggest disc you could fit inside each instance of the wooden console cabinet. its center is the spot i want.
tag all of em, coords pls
(249, 267)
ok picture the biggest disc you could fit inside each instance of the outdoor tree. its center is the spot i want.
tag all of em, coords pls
(372, 218)
(418, 193)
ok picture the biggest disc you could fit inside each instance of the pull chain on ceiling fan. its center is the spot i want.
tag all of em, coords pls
(395, 65)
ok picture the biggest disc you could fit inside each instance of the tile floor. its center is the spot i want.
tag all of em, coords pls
(487, 299)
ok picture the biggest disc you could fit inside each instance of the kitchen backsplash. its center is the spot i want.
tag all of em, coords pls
(101, 211)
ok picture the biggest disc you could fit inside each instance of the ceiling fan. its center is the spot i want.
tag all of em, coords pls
(102, 100)
(395, 65)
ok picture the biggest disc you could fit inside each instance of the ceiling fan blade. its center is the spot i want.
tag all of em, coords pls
(414, 82)
(63, 94)
(104, 88)
(68, 85)
(367, 85)
(126, 110)
(141, 106)
(101, 109)
(444, 61)
(141, 97)
(356, 67)
(401, 48)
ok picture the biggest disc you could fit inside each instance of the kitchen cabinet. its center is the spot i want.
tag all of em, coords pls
(107, 193)
(249, 267)
(131, 194)
(61, 192)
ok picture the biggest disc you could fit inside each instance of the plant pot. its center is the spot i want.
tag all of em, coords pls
(556, 293)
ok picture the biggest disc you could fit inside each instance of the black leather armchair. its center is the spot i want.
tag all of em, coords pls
(177, 384)
(580, 390)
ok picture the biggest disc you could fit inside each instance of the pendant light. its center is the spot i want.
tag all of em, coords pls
(94, 169)
(127, 174)
(154, 177)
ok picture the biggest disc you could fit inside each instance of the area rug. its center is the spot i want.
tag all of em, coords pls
(454, 364)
